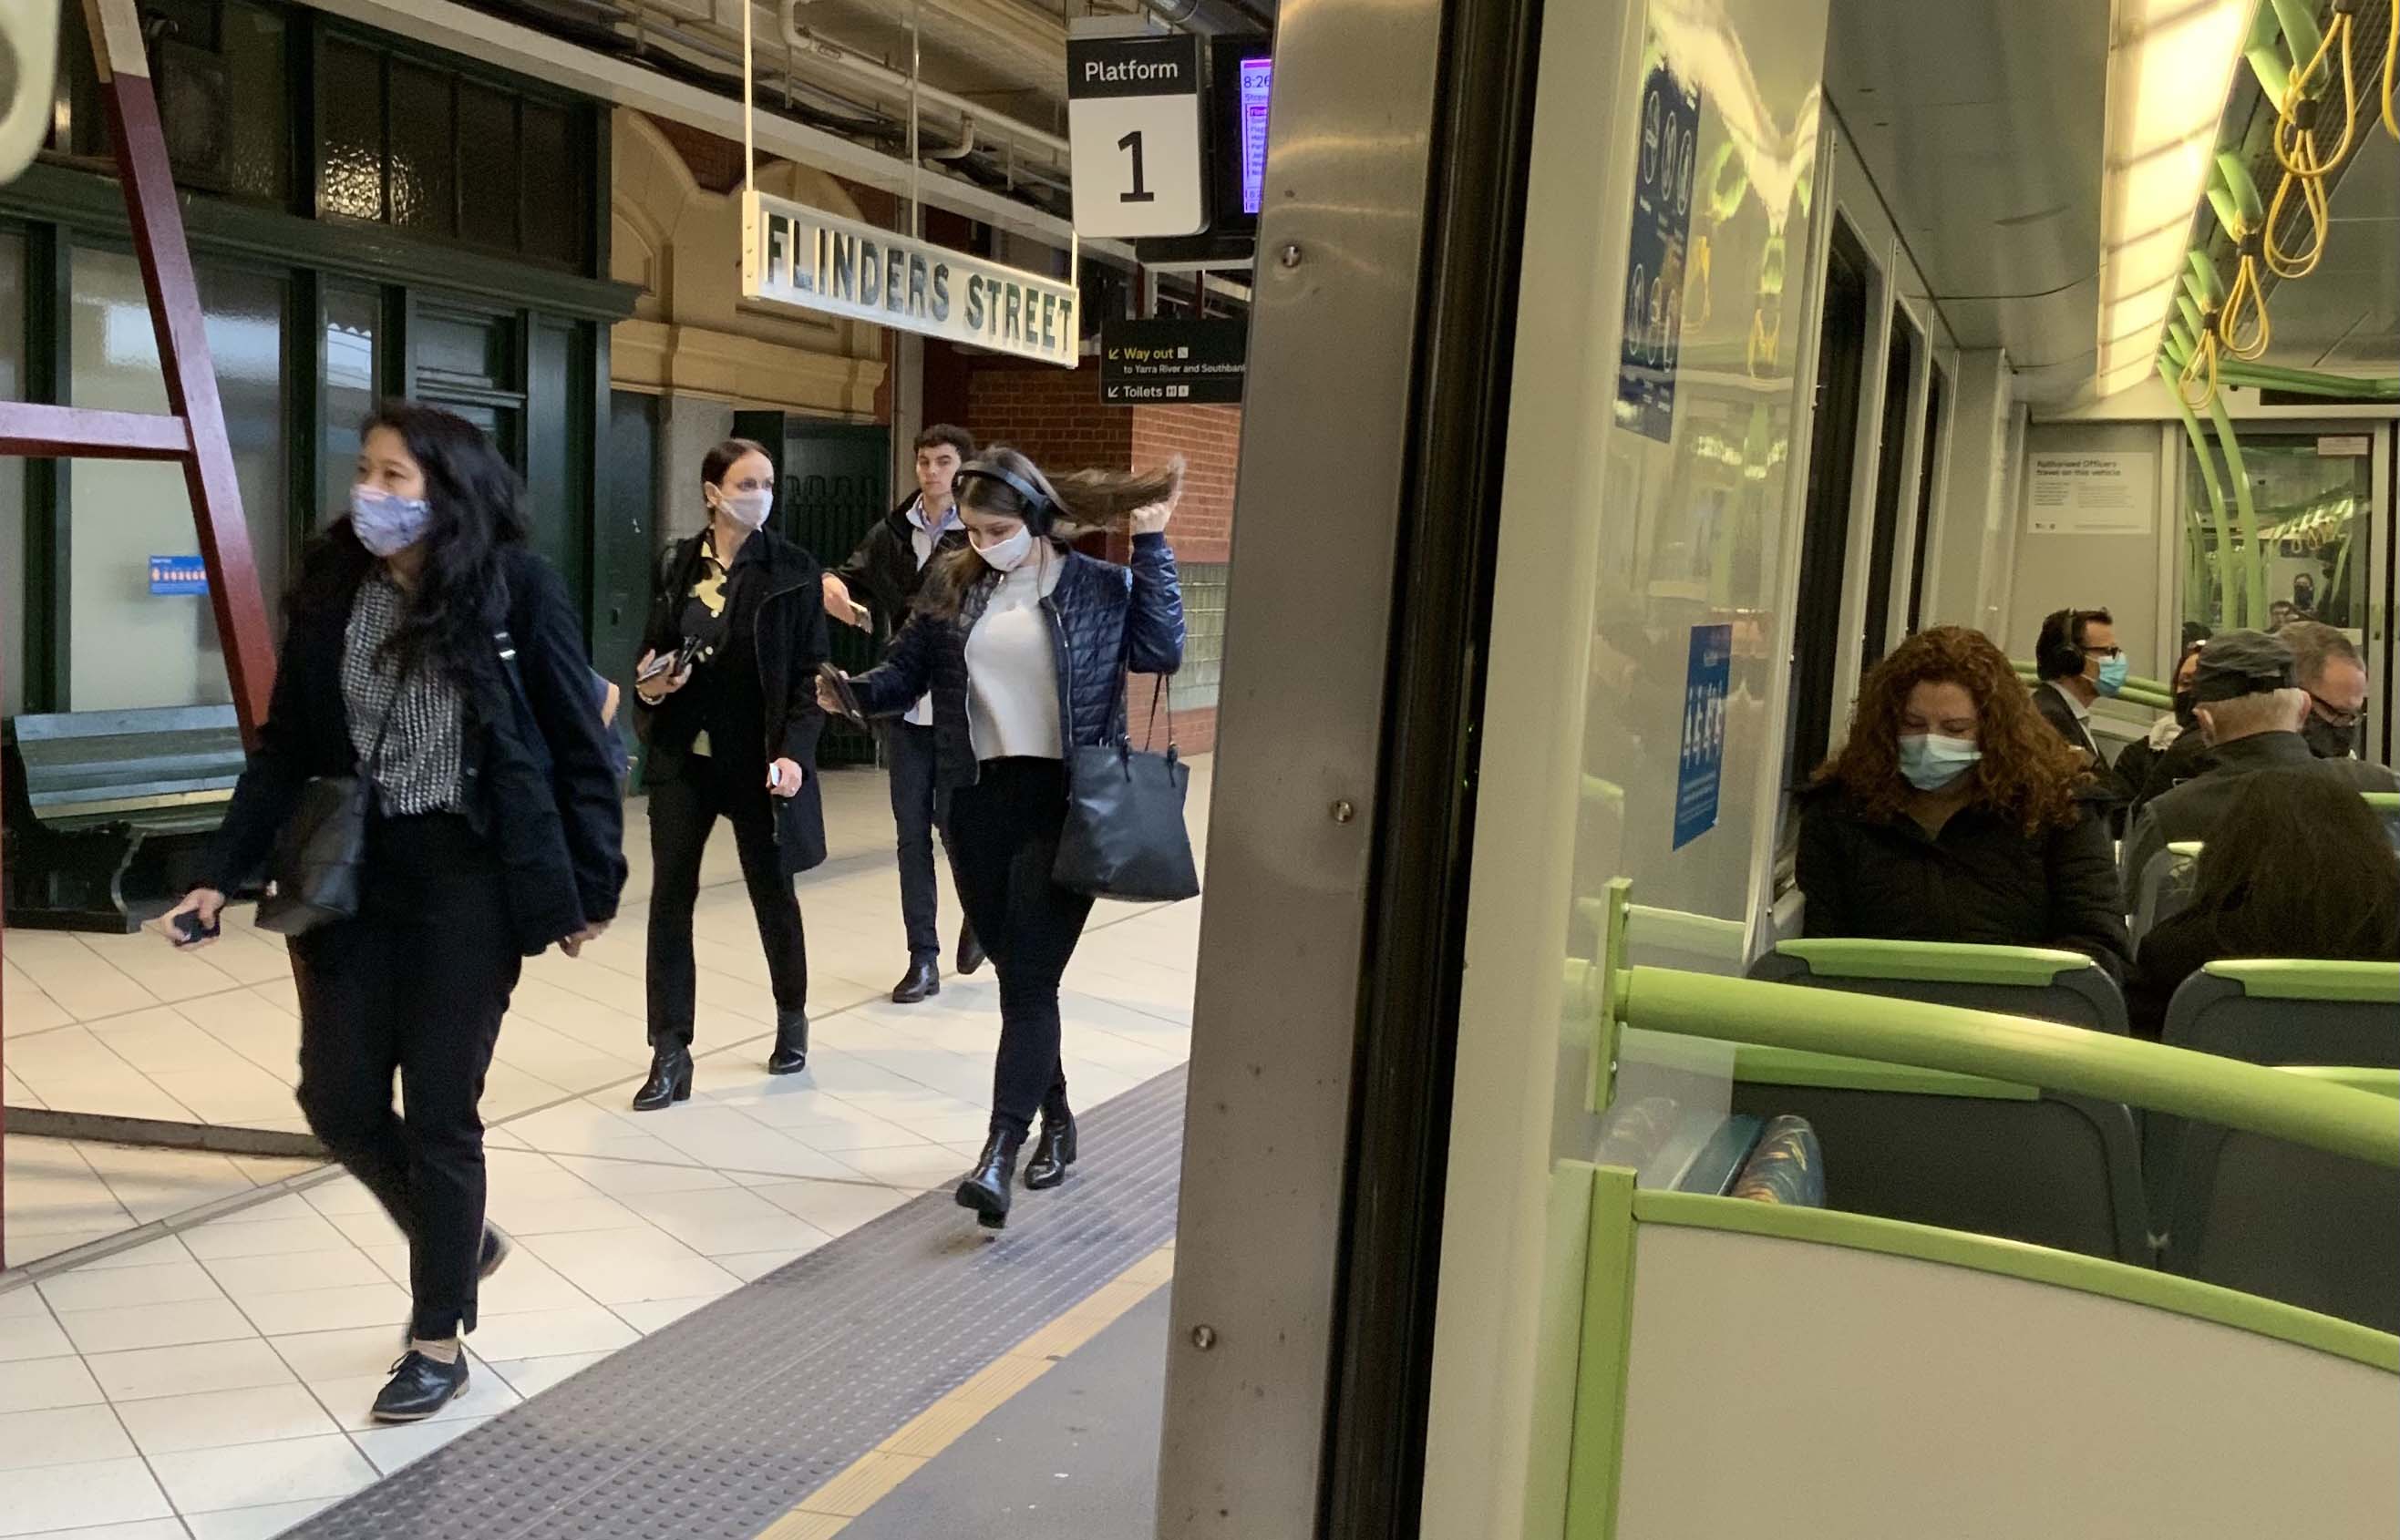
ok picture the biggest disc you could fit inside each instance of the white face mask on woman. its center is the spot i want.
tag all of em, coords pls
(747, 508)
(1007, 554)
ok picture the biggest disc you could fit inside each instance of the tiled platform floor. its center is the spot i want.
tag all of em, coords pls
(212, 1382)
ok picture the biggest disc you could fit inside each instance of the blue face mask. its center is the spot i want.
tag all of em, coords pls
(2112, 673)
(1931, 761)
(388, 524)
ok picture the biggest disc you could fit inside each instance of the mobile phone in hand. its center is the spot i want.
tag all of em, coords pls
(659, 667)
(190, 930)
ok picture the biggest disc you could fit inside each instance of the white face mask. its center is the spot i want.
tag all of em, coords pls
(747, 508)
(1007, 555)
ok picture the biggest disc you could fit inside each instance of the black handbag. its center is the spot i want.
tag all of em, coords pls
(321, 849)
(1125, 835)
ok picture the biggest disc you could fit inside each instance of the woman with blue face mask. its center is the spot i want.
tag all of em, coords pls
(1955, 813)
(1024, 644)
(726, 692)
(430, 655)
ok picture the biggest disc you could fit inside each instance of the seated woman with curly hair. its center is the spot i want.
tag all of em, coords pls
(1955, 813)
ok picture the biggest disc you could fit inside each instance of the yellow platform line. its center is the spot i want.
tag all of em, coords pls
(866, 1480)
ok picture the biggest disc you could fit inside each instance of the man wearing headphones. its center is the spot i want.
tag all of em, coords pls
(2077, 660)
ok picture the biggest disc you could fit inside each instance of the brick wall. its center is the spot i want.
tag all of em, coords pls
(1209, 439)
(1052, 414)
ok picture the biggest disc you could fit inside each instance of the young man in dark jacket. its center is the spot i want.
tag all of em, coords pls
(878, 584)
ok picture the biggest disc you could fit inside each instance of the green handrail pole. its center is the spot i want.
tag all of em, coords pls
(2263, 48)
(2245, 508)
(2205, 1086)
(2224, 608)
(2301, 38)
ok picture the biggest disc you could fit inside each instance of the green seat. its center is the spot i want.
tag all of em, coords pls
(1960, 1151)
(2272, 1011)
(2279, 1220)
(2386, 806)
(2046, 983)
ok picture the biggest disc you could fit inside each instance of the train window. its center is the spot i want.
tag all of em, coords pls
(1937, 394)
(1898, 386)
(1832, 449)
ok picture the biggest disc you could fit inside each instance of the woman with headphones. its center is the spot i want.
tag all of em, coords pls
(1024, 644)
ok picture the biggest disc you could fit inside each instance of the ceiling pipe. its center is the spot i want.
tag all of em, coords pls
(1025, 135)
(1209, 16)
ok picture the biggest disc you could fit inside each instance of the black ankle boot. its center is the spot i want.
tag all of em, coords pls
(985, 1189)
(670, 1079)
(970, 950)
(1053, 1151)
(791, 1054)
(922, 982)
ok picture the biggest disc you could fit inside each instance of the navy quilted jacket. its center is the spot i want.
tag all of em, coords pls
(1104, 619)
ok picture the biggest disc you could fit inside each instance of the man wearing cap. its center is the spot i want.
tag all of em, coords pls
(2250, 708)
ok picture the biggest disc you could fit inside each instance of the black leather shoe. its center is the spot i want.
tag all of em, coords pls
(985, 1189)
(1053, 1151)
(791, 1054)
(970, 950)
(419, 1387)
(670, 1080)
(922, 981)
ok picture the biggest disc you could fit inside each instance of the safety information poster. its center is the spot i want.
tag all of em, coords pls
(1700, 774)
(2095, 492)
(1668, 159)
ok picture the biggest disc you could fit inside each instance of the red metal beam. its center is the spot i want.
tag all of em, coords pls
(36, 431)
(158, 222)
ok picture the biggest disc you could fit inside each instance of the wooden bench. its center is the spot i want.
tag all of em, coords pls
(107, 809)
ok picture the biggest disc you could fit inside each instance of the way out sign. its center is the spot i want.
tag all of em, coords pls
(1133, 125)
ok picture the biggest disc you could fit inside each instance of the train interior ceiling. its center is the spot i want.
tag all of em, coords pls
(1500, 1147)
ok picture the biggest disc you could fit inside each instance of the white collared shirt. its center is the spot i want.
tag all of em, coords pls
(925, 537)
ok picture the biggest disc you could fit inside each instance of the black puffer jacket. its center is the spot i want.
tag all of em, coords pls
(1104, 620)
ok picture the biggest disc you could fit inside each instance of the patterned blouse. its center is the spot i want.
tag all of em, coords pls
(421, 766)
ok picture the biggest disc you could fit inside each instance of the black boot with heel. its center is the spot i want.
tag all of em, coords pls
(791, 1054)
(1053, 1151)
(985, 1189)
(670, 1079)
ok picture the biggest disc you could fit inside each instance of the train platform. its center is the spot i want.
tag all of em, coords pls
(691, 1290)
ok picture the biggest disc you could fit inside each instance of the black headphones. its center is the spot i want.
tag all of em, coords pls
(2059, 655)
(1039, 509)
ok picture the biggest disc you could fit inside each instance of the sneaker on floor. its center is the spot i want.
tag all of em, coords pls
(419, 1387)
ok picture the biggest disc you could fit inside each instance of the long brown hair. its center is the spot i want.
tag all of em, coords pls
(2299, 866)
(1080, 503)
(2026, 772)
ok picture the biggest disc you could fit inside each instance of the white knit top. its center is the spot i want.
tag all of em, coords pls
(1012, 675)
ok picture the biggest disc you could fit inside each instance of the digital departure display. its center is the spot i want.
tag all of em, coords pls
(1257, 76)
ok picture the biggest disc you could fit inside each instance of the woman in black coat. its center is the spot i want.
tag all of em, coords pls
(1024, 644)
(727, 698)
(1954, 813)
(432, 653)
(2298, 866)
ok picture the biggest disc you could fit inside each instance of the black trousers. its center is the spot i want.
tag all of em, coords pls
(416, 983)
(683, 812)
(916, 809)
(1004, 840)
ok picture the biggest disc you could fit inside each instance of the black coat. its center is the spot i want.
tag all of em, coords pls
(1104, 620)
(540, 790)
(784, 594)
(2058, 714)
(1982, 879)
(2190, 809)
(882, 573)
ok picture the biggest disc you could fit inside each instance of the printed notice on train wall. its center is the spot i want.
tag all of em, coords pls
(2096, 492)
(1668, 158)
(1699, 776)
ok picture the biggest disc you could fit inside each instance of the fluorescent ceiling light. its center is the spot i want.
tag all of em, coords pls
(2170, 67)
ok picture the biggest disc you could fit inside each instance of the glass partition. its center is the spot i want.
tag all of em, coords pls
(2313, 505)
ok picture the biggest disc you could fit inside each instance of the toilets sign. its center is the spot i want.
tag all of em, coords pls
(810, 260)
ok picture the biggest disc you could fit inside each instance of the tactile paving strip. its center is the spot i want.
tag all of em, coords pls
(723, 1421)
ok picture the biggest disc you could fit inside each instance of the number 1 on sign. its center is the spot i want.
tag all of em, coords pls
(1131, 143)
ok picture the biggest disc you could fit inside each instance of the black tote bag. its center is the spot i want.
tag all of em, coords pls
(1125, 835)
(323, 847)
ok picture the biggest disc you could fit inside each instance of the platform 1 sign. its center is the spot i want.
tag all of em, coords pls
(1699, 773)
(1187, 362)
(1133, 129)
(810, 260)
